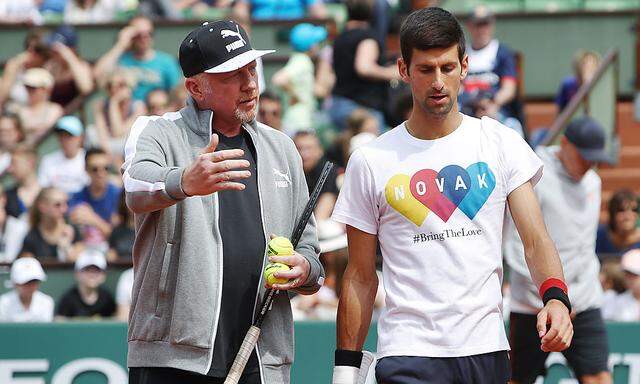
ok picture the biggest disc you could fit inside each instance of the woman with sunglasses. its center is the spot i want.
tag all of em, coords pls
(50, 237)
(621, 233)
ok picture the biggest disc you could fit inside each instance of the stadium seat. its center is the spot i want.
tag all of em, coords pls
(552, 5)
(611, 5)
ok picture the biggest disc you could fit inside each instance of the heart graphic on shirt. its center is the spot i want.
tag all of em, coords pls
(483, 182)
(400, 198)
(427, 187)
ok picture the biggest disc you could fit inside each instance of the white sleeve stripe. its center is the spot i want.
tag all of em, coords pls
(131, 184)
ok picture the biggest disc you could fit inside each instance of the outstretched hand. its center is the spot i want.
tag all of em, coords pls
(215, 171)
(560, 331)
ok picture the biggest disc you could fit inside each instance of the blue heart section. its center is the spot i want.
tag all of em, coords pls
(483, 182)
(455, 183)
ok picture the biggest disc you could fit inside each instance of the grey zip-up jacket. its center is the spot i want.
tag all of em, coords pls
(177, 254)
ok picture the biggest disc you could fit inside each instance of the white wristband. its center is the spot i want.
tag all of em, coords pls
(344, 374)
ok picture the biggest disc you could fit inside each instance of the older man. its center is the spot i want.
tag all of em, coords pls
(208, 186)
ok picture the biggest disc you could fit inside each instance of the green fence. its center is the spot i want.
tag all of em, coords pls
(95, 353)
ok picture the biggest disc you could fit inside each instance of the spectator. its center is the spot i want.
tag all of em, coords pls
(134, 52)
(360, 121)
(92, 11)
(585, 64)
(313, 160)
(22, 11)
(613, 284)
(626, 306)
(483, 105)
(296, 79)
(115, 114)
(50, 237)
(23, 169)
(72, 74)
(11, 135)
(123, 235)
(26, 303)
(158, 102)
(93, 209)
(39, 114)
(491, 64)
(178, 97)
(12, 232)
(88, 298)
(64, 168)
(123, 295)
(621, 233)
(270, 110)
(199, 8)
(35, 55)
(361, 82)
(280, 9)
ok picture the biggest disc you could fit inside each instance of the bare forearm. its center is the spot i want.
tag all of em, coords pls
(108, 62)
(82, 75)
(354, 311)
(506, 93)
(543, 260)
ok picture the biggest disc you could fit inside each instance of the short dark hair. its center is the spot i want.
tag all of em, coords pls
(429, 28)
(270, 95)
(361, 10)
(92, 152)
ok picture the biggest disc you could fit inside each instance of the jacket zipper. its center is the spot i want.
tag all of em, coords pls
(264, 231)
(216, 315)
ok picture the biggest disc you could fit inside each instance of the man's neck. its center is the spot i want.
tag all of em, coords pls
(71, 155)
(87, 293)
(97, 190)
(225, 127)
(431, 127)
(143, 55)
(26, 301)
(480, 45)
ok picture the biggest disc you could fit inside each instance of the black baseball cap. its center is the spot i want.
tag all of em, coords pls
(217, 47)
(589, 138)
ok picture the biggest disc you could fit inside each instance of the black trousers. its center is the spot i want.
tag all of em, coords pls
(155, 375)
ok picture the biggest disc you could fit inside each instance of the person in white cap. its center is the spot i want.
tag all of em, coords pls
(626, 306)
(26, 303)
(88, 298)
(40, 114)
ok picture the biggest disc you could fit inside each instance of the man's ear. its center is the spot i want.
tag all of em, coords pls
(464, 67)
(193, 87)
(403, 68)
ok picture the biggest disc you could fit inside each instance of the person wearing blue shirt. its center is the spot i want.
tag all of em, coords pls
(134, 51)
(585, 65)
(281, 9)
(93, 207)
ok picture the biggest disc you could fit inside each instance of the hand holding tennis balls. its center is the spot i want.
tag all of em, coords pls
(278, 246)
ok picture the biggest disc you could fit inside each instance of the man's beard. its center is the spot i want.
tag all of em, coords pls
(245, 116)
(438, 111)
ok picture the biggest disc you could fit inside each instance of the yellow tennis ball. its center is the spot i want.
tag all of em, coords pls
(279, 246)
(272, 268)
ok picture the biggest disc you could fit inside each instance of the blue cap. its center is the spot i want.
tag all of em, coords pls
(589, 138)
(304, 36)
(64, 34)
(69, 124)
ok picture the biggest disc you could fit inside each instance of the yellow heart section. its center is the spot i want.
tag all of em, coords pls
(398, 195)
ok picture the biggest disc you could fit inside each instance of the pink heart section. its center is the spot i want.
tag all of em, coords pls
(425, 189)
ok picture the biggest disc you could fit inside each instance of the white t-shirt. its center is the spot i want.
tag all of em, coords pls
(571, 212)
(12, 237)
(125, 285)
(623, 307)
(12, 310)
(437, 207)
(56, 170)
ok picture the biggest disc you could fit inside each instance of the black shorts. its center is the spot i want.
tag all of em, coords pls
(587, 355)
(489, 368)
(177, 376)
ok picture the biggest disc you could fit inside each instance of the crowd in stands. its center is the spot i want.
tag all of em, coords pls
(62, 200)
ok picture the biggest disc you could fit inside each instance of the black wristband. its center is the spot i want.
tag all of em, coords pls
(555, 293)
(348, 358)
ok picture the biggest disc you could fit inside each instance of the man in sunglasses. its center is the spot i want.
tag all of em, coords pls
(93, 208)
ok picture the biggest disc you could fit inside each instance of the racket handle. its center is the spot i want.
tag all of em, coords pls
(247, 347)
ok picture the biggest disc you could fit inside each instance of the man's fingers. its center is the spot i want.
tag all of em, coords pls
(229, 176)
(551, 334)
(230, 186)
(289, 260)
(213, 143)
(541, 325)
(293, 273)
(226, 154)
